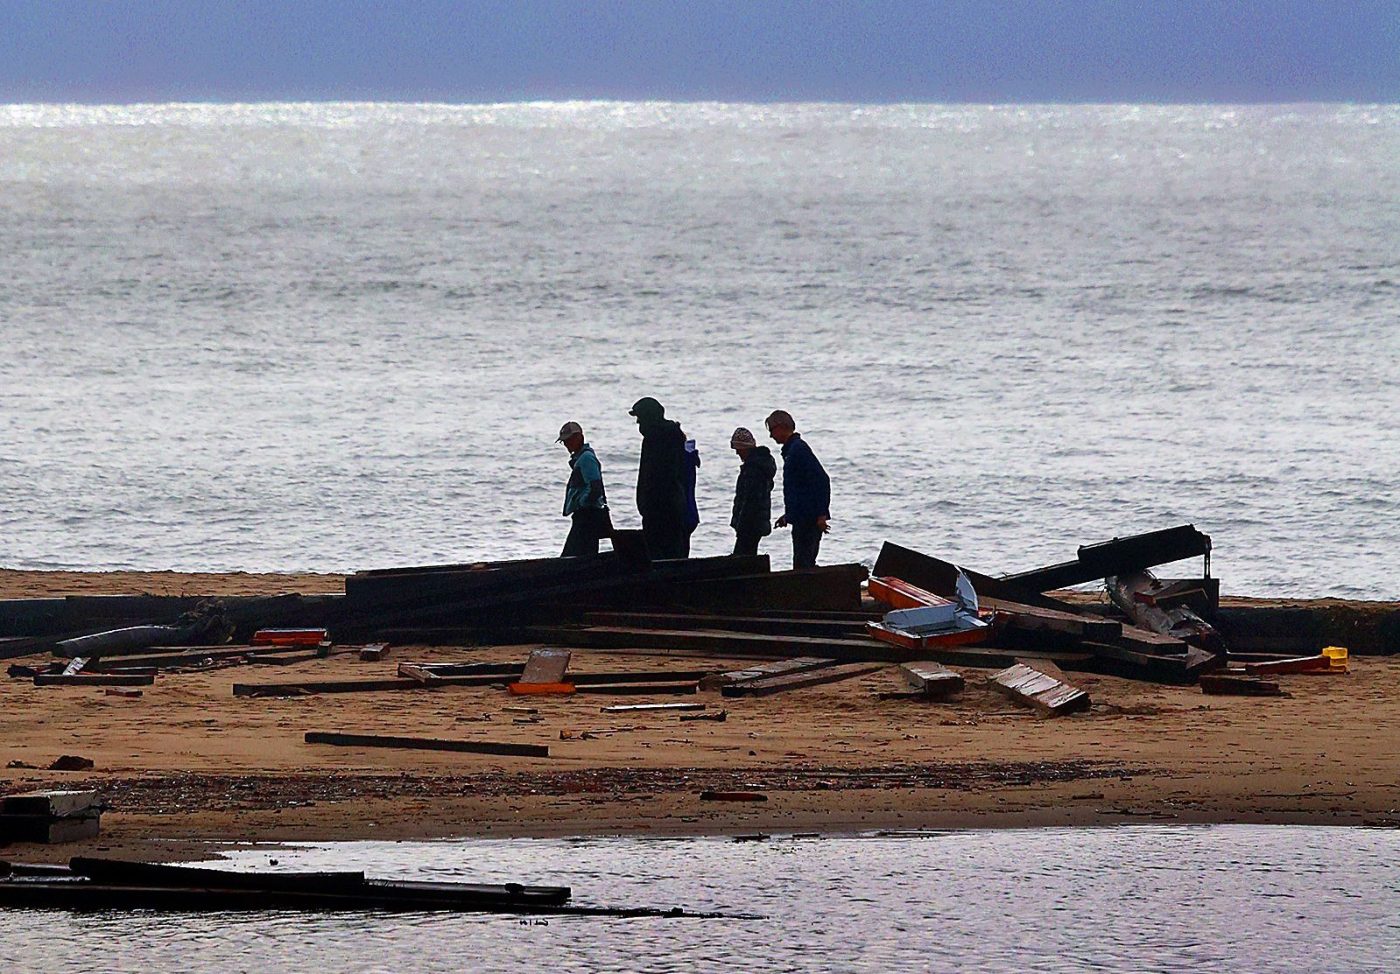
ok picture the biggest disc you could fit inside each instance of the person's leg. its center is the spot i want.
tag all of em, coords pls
(746, 544)
(576, 545)
(806, 542)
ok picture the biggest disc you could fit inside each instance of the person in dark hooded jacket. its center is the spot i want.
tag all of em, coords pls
(661, 482)
(753, 492)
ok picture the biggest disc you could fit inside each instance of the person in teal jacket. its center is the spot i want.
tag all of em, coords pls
(585, 499)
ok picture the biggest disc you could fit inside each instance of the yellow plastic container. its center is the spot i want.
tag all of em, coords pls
(1338, 656)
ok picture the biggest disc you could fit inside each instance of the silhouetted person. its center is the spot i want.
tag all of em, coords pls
(753, 493)
(806, 491)
(585, 499)
(661, 482)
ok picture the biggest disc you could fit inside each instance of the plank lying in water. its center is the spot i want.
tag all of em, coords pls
(428, 744)
(1040, 684)
(797, 681)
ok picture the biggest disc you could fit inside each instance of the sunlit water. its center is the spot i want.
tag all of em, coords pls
(1242, 899)
(342, 336)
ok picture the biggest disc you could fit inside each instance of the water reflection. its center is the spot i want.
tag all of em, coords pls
(1225, 898)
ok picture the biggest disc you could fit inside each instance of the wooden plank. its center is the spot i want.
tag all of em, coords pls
(511, 670)
(640, 689)
(415, 671)
(428, 744)
(724, 643)
(933, 680)
(830, 587)
(1179, 668)
(322, 686)
(374, 652)
(1030, 618)
(546, 666)
(759, 671)
(1298, 664)
(772, 625)
(632, 708)
(94, 680)
(797, 681)
(54, 804)
(1239, 686)
(1039, 684)
(1130, 554)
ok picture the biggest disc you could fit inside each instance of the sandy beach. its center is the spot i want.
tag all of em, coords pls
(188, 764)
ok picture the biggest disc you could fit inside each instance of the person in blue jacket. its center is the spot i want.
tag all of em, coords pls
(806, 491)
(585, 499)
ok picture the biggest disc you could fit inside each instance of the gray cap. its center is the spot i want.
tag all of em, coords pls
(569, 429)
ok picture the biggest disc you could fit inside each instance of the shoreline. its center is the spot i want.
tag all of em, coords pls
(188, 768)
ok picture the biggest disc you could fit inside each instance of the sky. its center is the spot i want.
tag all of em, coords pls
(121, 51)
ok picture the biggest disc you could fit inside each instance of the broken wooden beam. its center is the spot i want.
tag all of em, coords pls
(1134, 593)
(932, 680)
(1039, 684)
(796, 681)
(428, 744)
(1222, 684)
(829, 587)
(1115, 557)
(374, 652)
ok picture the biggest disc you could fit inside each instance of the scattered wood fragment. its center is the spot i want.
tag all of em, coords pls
(1221, 684)
(75, 666)
(627, 708)
(428, 744)
(546, 666)
(796, 681)
(718, 716)
(374, 652)
(125, 692)
(1040, 684)
(931, 680)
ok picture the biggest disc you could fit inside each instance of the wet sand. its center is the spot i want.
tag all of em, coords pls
(188, 764)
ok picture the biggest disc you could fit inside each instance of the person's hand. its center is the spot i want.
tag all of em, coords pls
(825, 524)
(781, 522)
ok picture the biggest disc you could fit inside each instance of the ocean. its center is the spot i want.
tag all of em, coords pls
(339, 336)
(1233, 899)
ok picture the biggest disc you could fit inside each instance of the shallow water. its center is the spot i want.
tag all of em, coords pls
(1250, 899)
(342, 336)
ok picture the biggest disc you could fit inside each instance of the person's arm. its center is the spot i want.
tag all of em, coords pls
(592, 473)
